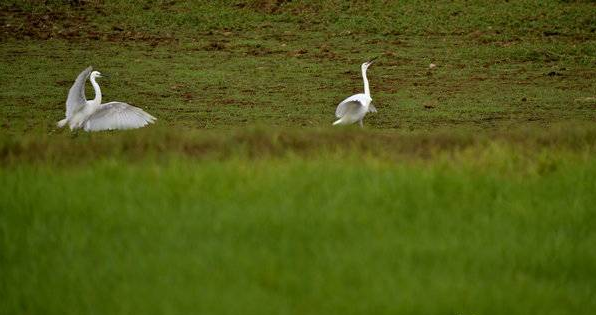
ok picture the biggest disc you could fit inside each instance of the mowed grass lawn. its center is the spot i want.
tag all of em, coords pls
(471, 191)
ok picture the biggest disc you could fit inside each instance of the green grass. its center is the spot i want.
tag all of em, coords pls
(293, 236)
(263, 221)
(471, 191)
(496, 68)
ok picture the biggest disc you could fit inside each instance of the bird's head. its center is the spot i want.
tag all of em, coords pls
(97, 74)
(368, 63)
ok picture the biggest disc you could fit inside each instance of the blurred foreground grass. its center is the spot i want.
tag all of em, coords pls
(383, 224)
(159, 143)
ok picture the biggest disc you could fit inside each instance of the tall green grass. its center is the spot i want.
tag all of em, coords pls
(486, 231)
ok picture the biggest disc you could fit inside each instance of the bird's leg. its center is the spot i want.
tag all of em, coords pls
(361, 123)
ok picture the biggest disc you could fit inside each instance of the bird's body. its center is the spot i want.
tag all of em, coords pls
(91, 115)
(78, 118)
(354, 108)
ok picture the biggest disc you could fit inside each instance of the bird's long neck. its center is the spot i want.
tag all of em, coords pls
(366, 88)
(97, 99)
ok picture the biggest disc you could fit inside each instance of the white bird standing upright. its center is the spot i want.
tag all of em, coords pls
(354, 108)
(94, 116)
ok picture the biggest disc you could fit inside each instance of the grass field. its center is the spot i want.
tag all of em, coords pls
(300, 236)
(471, 191)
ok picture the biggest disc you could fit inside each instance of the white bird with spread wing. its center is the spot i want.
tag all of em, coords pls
(354, 108)
(93, 115)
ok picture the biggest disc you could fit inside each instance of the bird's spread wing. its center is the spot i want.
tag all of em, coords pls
(350, 104)
(117, 115)
(76, 95)
(372, 108)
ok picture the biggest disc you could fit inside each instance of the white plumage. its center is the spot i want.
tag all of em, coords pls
(94, 116)
(354, 108)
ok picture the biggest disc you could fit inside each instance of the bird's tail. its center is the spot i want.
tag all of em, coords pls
(62, 123)
(337, 122)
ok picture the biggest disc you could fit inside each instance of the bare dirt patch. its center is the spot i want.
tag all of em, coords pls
(73, 24)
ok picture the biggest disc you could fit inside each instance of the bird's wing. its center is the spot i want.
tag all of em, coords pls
(372, 108)
(76, 95)
(350, 104)
(117, 115)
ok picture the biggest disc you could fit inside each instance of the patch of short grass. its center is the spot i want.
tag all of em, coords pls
(262, 62)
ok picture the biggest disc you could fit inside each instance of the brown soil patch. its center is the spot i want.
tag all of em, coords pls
(73, 24)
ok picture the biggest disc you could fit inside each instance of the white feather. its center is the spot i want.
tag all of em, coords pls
(76, 95)
(354, 108)
(117, 115)
(94, 116)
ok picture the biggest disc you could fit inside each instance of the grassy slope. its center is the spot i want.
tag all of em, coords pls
(215, 66)
(208, 213)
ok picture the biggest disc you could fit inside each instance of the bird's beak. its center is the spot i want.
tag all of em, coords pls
(103, 75)
(370, 62)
